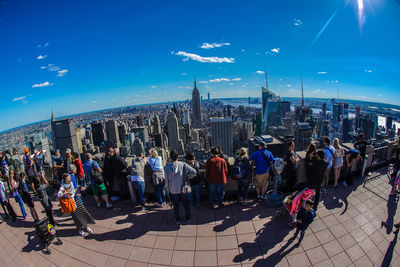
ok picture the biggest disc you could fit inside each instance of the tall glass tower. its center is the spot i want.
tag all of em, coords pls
(196, 108)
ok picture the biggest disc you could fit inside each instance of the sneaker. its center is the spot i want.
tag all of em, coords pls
(98, 205)
(178, 222)
(109, 205)
(344, 184)
(245, 202)
(82, 233)
(188, 220)
(89, 230)
(143, 208)
(160, 205)
(114, 198)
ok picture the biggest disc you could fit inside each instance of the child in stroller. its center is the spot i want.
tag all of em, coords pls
(293, 202)
(46, 233)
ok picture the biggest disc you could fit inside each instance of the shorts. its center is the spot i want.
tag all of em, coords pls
(27, 199)
(98, 189)
(261, 180)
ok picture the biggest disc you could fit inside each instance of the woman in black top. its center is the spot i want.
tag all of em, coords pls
(292, 161)
(195, 181)
(310, 154)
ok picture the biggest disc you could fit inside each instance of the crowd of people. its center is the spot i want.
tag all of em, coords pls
(111, 179)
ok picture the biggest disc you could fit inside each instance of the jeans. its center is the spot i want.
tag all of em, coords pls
(159, 191)
(243, 188)
(18, 199)
(302, 233)
(139, 188)
(196, 193)
(186, 204)
(218, 191)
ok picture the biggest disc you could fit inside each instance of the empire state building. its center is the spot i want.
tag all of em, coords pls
(196, 108)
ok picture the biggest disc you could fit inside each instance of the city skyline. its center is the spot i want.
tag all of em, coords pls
(116, 55)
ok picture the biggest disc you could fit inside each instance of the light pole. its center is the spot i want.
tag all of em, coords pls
(274, 197)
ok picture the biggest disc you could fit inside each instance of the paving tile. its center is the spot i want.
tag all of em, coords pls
(122, 251)
(187, 230)
(131, 263)
(347, 241)
(310, 241)
(330, 220)
(332, 248)
(205, 258)
(115, 261)
(227, 242)
(358, 234)
(340, 260)
(298, 260)
(182, 258)
(161, 256)
(367, 245)
(355, 252)
(228, 257)
(244, 228)
(338, 230)
(146, 241)
(364, 262)
(376, 257)
(185, 243)
(206, 230)
(326, 263)
(206, 243)
(324, 236)
(165, 242)
(250, 255)
(140, 254)
(247, 240)
(316, 255)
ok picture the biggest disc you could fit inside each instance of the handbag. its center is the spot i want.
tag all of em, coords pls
(67, 205)
(186, 189)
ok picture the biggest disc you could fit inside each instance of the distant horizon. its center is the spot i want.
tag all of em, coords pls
(80, 56)
(161, 103)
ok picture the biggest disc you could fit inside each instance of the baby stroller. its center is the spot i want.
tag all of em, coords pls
(293, 202)
(46, 233)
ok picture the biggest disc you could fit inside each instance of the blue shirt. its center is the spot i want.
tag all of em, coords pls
(73, 180)
(156, 163)
(329, 155)
(261, 165)
(87, 167)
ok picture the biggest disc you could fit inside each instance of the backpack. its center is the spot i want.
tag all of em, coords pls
(239, 169)
(96, 175)
(313, 215)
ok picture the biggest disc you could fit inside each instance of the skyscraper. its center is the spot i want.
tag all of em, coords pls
(271, 108)
(208, 96)
(157, 125)
(323, 115)
(64, 135)
(137, 147)
(98, 133)
(112, 133)
(196, 108)
(174, 142)
(285, 108)
(222, 134)
(140, 121)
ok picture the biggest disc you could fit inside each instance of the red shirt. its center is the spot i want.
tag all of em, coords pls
(216, 170)
(79, 168)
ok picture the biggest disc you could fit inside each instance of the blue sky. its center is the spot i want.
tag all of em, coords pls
(77, 56)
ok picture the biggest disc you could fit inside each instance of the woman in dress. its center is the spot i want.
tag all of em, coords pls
(80, 216)
(158, 179)
(338, 161)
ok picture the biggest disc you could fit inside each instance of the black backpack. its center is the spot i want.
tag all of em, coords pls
(96, 175)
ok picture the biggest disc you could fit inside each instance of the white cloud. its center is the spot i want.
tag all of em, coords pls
(236, 79)
(380, 95)
(43, 45)
(259, 72)
(41, 57)
(219, 80)
(289, 85)
(297, 22)
(95, 102)
(62, 72)
(213, 45)
(243, 50)
(322, 72)
(231, 83)
(44, 84)
(275, 50)
(153, 86)
(203, 81)
(332, 81)
(19, 98)
(184, 73)
(319, 91)
(25, 101)
(43, 67)
(293, 91)
(196, 57)
(369, 71)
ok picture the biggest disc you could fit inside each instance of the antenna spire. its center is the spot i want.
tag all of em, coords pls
(195, 81)
(302, 91)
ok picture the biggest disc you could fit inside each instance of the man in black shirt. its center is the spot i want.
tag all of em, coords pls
(119, 173)
(319, 166)
(108, 173)
(361, 145)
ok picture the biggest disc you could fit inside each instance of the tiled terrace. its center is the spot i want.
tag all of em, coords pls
(353, 228)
